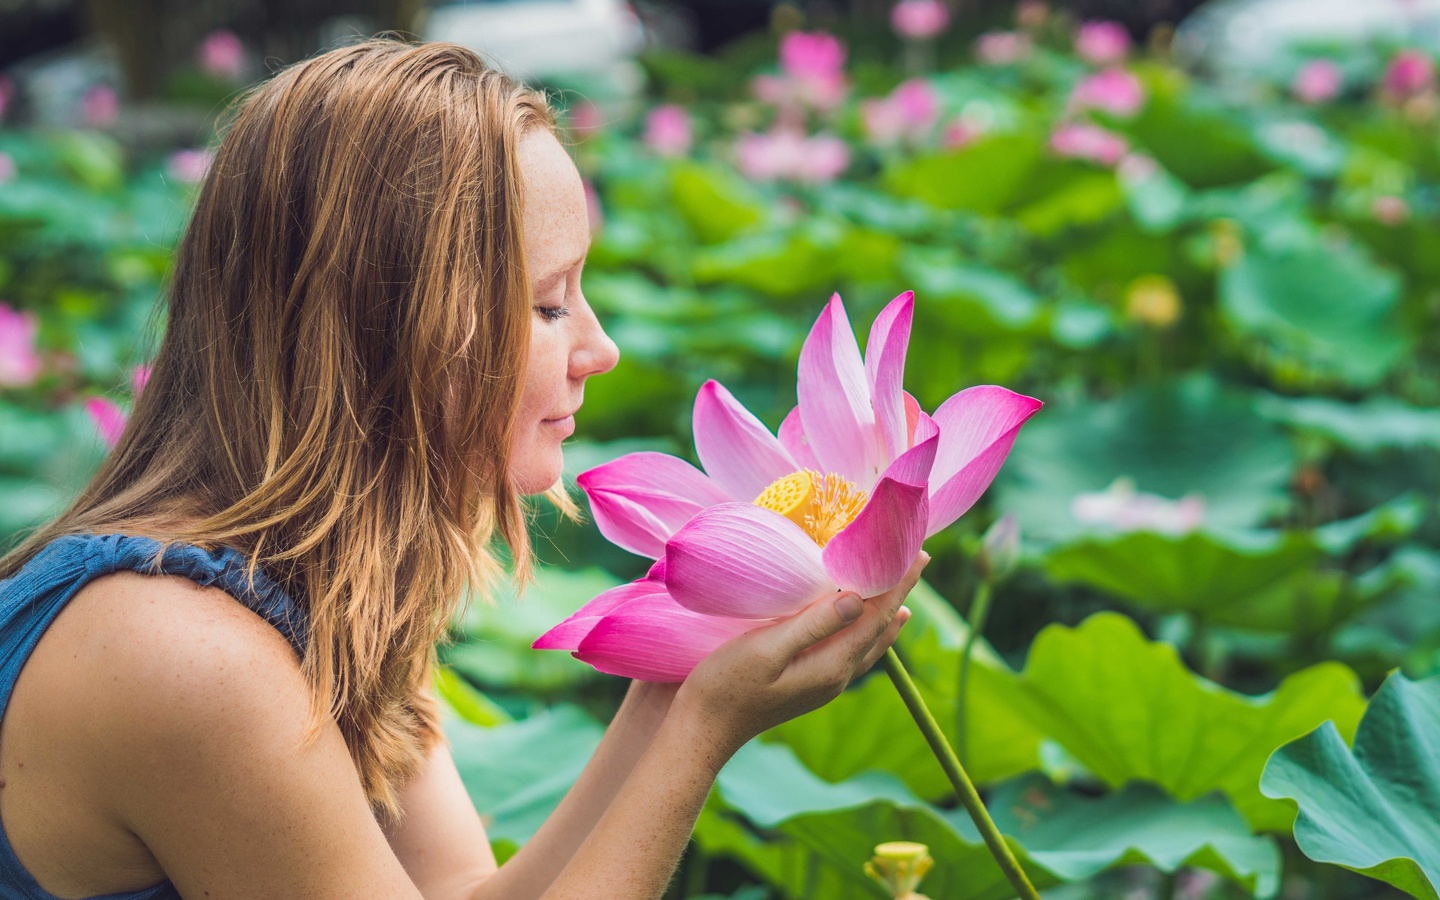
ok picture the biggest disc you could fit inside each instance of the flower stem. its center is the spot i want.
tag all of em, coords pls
(979, 609)
(964, 788)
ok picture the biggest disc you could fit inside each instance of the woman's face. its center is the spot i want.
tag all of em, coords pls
(567, 344)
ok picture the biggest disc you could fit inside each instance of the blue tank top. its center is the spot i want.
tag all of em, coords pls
(32, 598)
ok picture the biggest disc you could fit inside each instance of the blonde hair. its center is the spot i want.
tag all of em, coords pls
(348, 321)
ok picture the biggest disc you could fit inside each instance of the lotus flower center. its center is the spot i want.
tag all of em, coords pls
(820, 504)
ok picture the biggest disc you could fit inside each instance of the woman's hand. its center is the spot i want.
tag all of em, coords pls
(780, 671)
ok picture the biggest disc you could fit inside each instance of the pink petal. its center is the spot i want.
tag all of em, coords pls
(792, 438)
(835, 399)
(641, 499)
(736, 449)
(872, 553)
(652, 638)
(977, 430)
(741, 560)
(568, 634)
(109, 419)
(885, 370)
(912, 417)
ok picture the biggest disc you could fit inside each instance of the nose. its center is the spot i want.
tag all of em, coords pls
(594, 353)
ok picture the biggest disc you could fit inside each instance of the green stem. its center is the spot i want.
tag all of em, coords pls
(964, 788)
(979, 610)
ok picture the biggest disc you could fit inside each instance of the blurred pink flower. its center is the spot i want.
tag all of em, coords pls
(958, 133)
(1137, 168)
(593, 210)
(100, 106)
(1032, 14)
(221, 54)
(1122, 508)
(1390, 210)
(109, 419)
(1115, 91)
(668, 130)
(1102, 43)
(7, 168)
(1411, 72)
(139, 377)
(910, 111)
(189, 166)
(919, 19)
(1079, 140)
(19, 363)
(811, 54)
(1318, 81)
(586, 119)
(787, 154)
(1001, 48)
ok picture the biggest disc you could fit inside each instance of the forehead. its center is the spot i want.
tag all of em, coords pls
(556, 227)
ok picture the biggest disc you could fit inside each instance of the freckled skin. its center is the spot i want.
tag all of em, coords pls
(564, 352)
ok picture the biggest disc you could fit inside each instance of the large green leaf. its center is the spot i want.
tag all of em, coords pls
(1172, 439)
(815, 834)
(1373, 810)
(716, 203)
(516, 774)
(1327, 307)
(982, 177)
(1002, 742)
(1379, 423)
(1128, 710)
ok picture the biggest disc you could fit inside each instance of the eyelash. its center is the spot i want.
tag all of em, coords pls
(553, 313)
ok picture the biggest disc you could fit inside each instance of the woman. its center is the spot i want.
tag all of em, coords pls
(376, 343)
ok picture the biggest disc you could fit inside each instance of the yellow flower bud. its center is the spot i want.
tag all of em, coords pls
(899, 866)
(1153, 300)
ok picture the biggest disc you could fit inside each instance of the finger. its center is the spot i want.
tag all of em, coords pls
(886, 640)
(822, 619)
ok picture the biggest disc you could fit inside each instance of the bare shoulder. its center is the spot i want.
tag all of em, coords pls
(183, 717)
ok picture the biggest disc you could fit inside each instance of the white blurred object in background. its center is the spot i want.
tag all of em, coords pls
(589, 42)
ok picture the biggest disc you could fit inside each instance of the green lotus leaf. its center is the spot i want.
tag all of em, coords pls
(1328, 307)
(1380, 423)
(1002, 742)
(985, 176)
(814, 835)
(1128, 710)
(1172, 439)
(1373, 809)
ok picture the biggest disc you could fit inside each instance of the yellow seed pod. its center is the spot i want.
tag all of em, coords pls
(792, 497)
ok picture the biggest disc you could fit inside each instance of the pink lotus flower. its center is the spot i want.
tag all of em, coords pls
(959, 133)
(668, 130)
(919, 20)
(813, 73)
(1411, 72)
(1102, 43)
(788, 154)
(139, 377)
(100, 106)
(189, 166)
(221, 54)
(594, 212)
(1122, 508)
(841, 499)
(1115, 91)
(1389, 209)
(586, 119)
(19, 362)
(1083, 141)
(1318, 81)
(910, 111)
(1002, 48)
(109, 419)
(7, 168)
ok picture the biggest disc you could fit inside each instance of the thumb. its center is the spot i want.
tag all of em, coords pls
(818, 621)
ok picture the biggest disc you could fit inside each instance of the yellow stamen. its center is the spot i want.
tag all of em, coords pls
(820, 504)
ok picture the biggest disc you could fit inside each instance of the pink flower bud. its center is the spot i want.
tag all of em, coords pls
(1318, 81)
(221, 54)
(586, 119)
(100, 106)
(1002, 48)
(919, 20)
(1390, 210)
(811, 55)
(189, 166)
(19, 361)
(1102, 43)
(668, 130)
(1091, 142)
(1115, 91)
(139, 377)
(1411, 72)
(109, 419)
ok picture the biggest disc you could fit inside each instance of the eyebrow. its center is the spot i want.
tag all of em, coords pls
(563, 270)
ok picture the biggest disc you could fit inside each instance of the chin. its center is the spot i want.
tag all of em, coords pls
(536, 471)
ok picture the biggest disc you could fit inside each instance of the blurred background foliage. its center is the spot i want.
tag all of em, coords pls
(1218, 266)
